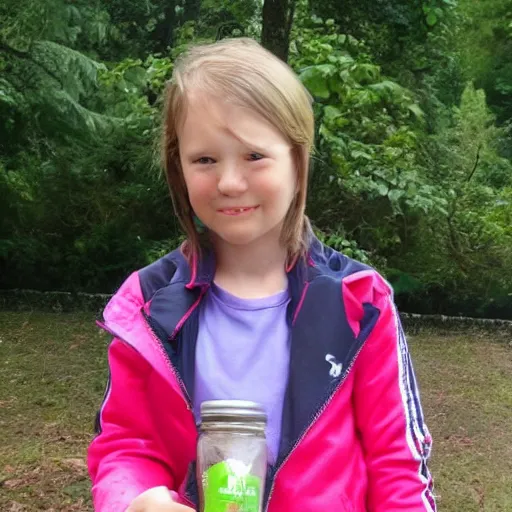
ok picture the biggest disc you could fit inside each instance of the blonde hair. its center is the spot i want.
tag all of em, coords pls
(240, 71)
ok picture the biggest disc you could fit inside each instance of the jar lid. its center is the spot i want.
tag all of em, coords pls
(233, 410)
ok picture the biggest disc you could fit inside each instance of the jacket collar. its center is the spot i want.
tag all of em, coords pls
(201, 270)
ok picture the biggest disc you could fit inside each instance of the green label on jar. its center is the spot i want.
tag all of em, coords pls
(228, 487)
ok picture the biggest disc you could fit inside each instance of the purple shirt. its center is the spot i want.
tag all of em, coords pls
(242, 353)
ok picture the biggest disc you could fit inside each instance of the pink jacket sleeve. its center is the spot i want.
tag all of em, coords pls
(124, 459)
(389, 416)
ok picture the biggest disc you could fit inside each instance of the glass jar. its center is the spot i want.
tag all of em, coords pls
(231, 456)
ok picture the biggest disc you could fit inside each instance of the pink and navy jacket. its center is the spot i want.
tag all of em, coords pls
(353, 434)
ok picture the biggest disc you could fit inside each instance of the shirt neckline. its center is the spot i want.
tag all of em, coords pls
(232, 301)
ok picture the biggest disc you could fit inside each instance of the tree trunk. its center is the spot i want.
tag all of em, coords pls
(191, 10)
(163, 35)
(277, 23)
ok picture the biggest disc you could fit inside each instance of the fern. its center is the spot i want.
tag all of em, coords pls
(8, 94)
(25, 21)
(79, 120)
(76, 72)
(42, 71)
(56, 81)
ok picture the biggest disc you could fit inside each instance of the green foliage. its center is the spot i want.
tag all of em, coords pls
(435, 10)
(368, 127)
(46, 82)
(412, 164)
(79, 225)
(485, 46)
(77, 175)
(234, 18)
(391, 28)
(473, 243)
(140, 27)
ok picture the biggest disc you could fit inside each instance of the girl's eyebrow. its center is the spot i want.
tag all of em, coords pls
(256, 149)
(270, 146)
(199, 151)
(248, 144)
(196, 153)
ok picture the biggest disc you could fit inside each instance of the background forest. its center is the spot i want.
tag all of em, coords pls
(412, 170)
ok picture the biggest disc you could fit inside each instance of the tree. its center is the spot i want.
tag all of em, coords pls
(485, 44)
(388, 26)
(46, 80)
(467, 272)
(409, 171)
(277, 20)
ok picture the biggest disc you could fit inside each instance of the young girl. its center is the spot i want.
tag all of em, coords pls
(254, 307)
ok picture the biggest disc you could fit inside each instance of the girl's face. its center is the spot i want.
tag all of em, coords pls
(239, 171)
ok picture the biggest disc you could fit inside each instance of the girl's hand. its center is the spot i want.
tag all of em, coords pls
(157, 499)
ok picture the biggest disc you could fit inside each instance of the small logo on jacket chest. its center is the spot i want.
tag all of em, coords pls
(336, 367)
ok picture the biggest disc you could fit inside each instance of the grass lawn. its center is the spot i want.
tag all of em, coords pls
(52, 378)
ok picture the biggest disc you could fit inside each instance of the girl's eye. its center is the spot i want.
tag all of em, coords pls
(204, 160)
(255, 156)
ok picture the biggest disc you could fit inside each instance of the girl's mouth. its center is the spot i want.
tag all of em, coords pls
(239, 210)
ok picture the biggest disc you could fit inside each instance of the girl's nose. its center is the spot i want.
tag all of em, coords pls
(231, 181)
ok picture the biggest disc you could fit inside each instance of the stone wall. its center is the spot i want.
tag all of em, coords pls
(65, 302)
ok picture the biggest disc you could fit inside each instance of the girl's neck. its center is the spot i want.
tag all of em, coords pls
(251, 271)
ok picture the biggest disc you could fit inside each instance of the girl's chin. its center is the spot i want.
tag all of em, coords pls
(239, 237)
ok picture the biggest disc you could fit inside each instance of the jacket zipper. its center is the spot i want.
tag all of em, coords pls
(310, 426)
(159, 344)
(161, 347)
(162, 350)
